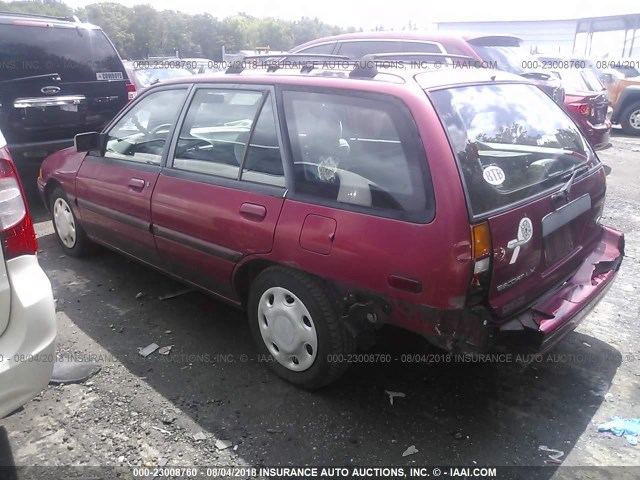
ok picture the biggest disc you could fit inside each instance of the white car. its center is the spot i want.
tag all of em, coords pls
(27, 311)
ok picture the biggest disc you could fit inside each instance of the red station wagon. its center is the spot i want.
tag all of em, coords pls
(462, 205)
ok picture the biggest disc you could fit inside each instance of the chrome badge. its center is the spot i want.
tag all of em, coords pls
(50, 90)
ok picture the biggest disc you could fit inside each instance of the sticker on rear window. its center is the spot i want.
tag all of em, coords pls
(109, 76)
(493, 175)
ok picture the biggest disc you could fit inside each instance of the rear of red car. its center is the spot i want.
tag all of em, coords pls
(586, 102)
(535, 193)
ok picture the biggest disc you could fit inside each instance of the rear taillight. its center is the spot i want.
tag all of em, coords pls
(581, 108)
(131, 91)
(16, 228)
(481, 255)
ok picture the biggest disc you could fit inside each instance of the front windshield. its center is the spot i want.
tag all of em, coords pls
(511, 140)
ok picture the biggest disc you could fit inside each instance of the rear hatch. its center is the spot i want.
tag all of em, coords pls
(531, 176)
(87, 92)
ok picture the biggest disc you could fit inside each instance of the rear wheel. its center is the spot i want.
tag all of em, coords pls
(70, 233)
(297, 329)
(630, 119)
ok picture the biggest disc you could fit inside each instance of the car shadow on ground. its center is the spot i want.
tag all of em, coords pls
(454, 414)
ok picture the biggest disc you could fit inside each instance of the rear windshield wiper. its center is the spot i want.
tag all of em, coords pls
(564, 192)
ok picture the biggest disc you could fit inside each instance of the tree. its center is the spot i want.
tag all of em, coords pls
(141, 31)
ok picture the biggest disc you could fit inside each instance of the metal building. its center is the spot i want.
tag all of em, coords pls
(614, 36)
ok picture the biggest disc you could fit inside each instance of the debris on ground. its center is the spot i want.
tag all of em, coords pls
(175, 294)
(200, 436)
(554, 455)
(168, 332)
(148, 350)
(273, 430)
(162, 462)
(140, 295)
(458, 436)
(223, 444)
(627, 427)
(73, 372)
(410, 451)
(392, 395)
(161, 430)
(165, 350)
(586, 344)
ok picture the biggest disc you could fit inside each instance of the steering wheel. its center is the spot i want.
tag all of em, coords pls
(159, 128)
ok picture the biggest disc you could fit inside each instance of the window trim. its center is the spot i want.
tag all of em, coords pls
(268, 94)
(420, 156)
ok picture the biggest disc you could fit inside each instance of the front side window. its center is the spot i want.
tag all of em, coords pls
(512, 142)
(362, 152)
(141, 135)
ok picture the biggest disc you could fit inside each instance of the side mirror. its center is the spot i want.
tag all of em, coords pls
(90, 141)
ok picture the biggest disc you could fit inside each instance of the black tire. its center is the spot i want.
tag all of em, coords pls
(625, 119)
(82, 246)
(334, 342)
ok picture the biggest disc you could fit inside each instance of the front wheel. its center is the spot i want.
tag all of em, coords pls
(297, 328)
(71, 235)
(630, 119)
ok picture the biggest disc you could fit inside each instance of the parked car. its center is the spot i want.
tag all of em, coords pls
(586, 101)
(27, 312)
(462, 205)
(624, 97)
(58, 77)
(505, 50)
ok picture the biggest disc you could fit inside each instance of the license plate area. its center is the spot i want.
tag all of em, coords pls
(558, 245)
(557, 231)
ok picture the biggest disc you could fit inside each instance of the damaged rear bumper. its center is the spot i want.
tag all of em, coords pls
(560, 311)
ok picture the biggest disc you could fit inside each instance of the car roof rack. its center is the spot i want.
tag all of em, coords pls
(278, 60)
(68, 18)
(366, 67)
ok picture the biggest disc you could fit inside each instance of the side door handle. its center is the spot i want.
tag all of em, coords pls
(136, 184)
(252, 211)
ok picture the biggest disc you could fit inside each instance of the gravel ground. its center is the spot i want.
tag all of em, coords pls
(171, 410)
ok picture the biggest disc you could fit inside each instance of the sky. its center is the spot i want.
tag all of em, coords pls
(396, 13)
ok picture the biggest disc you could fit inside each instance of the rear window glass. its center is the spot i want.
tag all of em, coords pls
(77, 54)
(357, 152)
(512, 142)
(509, 59)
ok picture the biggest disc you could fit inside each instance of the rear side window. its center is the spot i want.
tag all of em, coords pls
(512, 142)
(359, 49)
(77, 54)
(325, 49)
(359, 152)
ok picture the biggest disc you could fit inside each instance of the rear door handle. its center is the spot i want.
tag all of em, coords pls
(253, 211)
(136, 184)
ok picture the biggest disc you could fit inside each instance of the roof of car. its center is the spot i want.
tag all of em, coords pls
(27, 19)
(412, 35)
(431, 78)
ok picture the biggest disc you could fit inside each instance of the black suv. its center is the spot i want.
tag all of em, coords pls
(58, 77)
